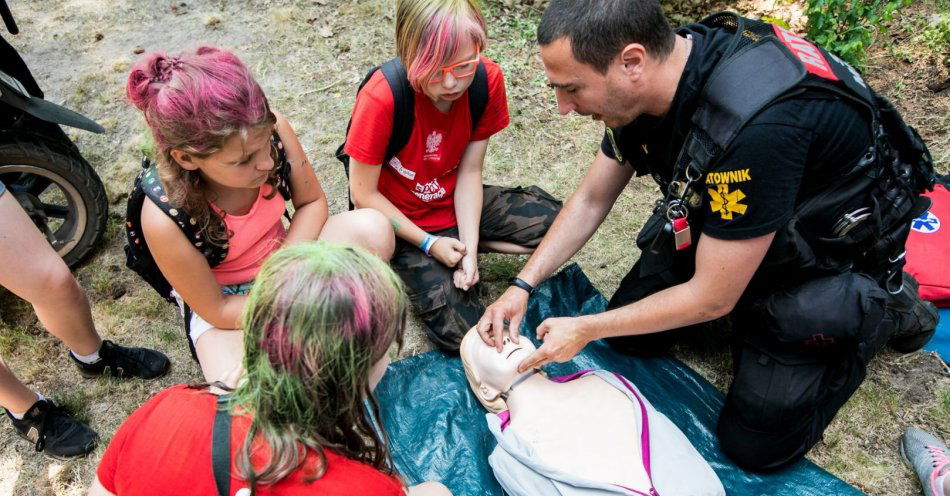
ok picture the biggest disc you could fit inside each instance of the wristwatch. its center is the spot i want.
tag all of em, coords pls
(514, 281)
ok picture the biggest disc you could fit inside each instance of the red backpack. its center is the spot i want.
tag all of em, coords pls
(928, 249)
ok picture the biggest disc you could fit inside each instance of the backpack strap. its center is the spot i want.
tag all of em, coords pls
(478, 94)
(154, 190)
(221, 446)
(137, 255)
(767, 73)
(283, 167)
(763, 70)
(403, 106)
(403, 113)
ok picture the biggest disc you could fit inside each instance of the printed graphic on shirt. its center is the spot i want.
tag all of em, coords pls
(727, 202)
(723, 199)
(432, 146)
(728, 177)
(927, 223)
(396, 164)
(429, 191)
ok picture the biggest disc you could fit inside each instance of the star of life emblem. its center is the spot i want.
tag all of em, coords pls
(927, 223)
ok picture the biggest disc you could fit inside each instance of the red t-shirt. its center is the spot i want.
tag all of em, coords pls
(164, 448)
(420, 179)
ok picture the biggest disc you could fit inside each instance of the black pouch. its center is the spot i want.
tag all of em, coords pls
(653, 227)
(827, 314)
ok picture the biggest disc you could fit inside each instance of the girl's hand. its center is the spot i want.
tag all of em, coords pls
(467, 274)
(448, 251)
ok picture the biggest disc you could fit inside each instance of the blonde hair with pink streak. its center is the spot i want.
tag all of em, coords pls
(430, 33)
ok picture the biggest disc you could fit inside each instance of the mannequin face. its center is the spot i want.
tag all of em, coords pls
(494, 372)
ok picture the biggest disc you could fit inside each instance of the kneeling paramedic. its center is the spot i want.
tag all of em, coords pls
(787, 189)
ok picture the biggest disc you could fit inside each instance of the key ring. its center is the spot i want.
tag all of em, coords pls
(675, 210)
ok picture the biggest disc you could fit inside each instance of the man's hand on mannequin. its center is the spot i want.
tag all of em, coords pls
(510, 307)
(563, 337)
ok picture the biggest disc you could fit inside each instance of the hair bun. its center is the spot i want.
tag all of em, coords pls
(152, 69)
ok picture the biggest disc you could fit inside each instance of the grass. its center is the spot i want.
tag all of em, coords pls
(312, 79)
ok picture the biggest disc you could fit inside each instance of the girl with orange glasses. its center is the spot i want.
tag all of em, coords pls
(430, 187)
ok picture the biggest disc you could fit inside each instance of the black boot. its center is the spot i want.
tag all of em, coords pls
(915, 319)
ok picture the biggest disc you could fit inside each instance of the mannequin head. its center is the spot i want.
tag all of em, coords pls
(491, 373)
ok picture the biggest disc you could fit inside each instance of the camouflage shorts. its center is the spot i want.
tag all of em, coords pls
(517, 215)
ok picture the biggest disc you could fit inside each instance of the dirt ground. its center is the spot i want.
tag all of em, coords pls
(308, 56)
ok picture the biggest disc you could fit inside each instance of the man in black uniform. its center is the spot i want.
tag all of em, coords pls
(789, 224)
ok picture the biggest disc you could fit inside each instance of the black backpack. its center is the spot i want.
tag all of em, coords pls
(137, 254)
(892, 174)
(404, 105)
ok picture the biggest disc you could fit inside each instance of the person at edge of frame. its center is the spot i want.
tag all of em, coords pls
(644, 81)
(33, 271)
(432, 190)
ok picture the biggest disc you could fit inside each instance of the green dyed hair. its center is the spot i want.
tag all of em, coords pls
(317, 319)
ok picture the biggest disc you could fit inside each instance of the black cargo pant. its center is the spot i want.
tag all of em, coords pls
(798, 356)
(517, 215)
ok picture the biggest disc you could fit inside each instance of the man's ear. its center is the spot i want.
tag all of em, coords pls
(633, 57)
(488, 393)
(184, 159)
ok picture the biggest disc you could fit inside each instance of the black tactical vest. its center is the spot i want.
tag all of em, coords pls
(873, 203)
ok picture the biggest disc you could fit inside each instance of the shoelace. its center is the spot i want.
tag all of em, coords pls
(47, 418)
(941, 461)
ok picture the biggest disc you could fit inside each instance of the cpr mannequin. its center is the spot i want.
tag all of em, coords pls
(580, 435)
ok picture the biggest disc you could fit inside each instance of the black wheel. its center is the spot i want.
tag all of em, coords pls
(59, 190)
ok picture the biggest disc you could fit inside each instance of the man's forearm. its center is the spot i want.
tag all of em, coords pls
(723, 271)
(671, 308)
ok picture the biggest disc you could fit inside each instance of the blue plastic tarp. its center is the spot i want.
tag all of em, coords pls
(941, 340)
(437, 428)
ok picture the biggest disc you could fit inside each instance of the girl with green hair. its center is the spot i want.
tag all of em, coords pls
(318, 325)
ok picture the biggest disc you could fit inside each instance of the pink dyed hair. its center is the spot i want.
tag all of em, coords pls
(430, 33)
(193, 102)
(196, 100)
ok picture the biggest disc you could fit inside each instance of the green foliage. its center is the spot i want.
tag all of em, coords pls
(778, 22)
(147, 144)
(847, 27)
(936, 36)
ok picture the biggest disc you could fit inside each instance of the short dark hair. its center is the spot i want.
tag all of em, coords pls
(599, 29)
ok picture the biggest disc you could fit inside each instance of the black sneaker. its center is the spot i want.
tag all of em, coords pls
(915, 319)
(125, 362)
(54, 432)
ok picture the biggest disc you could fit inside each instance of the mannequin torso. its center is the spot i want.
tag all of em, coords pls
(585, 426)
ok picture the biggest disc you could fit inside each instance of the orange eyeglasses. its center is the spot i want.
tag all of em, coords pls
(460, 70)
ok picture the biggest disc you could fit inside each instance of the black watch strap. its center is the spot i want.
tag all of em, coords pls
(514, 281)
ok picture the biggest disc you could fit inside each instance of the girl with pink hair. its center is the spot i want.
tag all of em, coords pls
(431, 190)
(219, 147)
